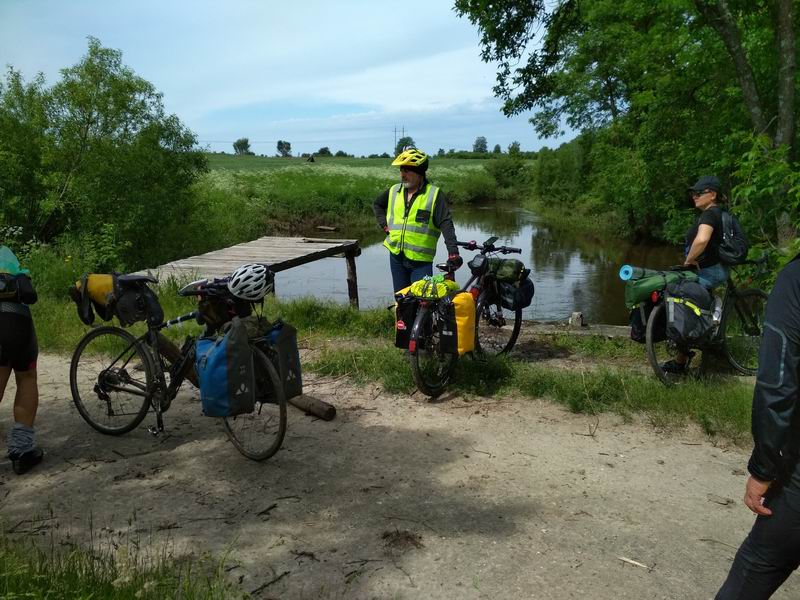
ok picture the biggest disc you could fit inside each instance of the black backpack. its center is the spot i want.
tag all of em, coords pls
(733, 247)
(9, 289)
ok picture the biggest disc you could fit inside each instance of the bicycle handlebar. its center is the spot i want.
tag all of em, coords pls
(488, 246)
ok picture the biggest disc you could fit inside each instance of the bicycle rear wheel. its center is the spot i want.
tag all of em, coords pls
(430, 367)
(743, 325)
(496, 328)
(259, 434)
(112, 379)
(661, 351)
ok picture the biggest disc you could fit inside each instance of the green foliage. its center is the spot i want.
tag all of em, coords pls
(474, 187)
(480, 145)
(658, 100)
(284, 149)
(96, 161)
(324, 151)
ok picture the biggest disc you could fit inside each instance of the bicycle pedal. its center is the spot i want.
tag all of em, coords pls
(155, 431)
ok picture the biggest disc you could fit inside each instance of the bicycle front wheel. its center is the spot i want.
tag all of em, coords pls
(430, 367)
(112, 379)
(259, 434)
(496, 328)
(743, 325)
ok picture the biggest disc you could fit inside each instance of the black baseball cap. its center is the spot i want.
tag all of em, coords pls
(709, 182)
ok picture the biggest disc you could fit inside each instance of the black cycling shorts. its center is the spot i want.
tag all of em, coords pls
(18, 346)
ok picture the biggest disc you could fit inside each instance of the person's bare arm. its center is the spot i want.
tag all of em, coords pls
(704, 233)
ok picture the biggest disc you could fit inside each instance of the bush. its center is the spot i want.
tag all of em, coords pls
(473, 187)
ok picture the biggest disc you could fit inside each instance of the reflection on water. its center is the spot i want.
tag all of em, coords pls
(571, 272)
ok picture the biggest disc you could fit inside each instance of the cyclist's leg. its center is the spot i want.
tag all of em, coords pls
(20, 351)
(420, 269)
(713, 276)
(401, 276)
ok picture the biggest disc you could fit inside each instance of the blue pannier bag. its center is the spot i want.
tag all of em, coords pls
(226, 373)
(282, 340)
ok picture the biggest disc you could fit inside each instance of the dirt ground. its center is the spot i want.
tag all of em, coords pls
(399, 497)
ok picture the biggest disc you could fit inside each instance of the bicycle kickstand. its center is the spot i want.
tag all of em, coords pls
(158, 429)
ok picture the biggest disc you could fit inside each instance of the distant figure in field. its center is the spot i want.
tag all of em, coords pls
(310, 158)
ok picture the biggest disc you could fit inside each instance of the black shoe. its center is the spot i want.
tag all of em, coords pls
(22, 463)
(674, 367)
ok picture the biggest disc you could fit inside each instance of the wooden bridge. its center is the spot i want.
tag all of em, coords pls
(280, 253)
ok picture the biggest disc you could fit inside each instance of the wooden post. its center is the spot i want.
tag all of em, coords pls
(352, 278)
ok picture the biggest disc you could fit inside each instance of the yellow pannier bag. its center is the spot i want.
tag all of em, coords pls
(100, 288)
(464, 304)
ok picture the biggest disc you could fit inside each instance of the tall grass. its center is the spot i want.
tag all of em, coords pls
(67, 571)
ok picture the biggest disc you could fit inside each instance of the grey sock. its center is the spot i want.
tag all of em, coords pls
(20, 439)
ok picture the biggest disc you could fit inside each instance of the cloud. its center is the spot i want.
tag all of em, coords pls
(343, 71)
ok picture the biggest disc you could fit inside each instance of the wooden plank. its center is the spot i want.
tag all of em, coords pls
(280, 253)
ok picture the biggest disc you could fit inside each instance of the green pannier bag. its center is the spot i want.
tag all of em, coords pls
(639, 290)
(506, 269)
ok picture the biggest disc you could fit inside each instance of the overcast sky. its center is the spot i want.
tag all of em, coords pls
(315, 73)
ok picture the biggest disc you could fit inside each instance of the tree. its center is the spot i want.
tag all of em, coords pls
(342, 154)
(403, 142)
(440, 152)
(284, 149)
(109, 166)
(497, 149)
(480, 145)
(324, 151)
(241, 147)
(513, 148)
(645, 81)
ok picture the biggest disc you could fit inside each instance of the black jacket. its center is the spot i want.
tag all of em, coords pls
(776, 430)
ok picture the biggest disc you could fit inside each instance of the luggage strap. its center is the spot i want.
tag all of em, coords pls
(15, 308)
(690, 305)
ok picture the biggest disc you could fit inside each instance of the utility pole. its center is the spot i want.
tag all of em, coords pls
(395, 139)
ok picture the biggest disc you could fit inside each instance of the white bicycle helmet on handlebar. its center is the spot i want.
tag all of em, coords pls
(251, 282)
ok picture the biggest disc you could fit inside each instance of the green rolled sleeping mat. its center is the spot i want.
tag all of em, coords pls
(639, 290)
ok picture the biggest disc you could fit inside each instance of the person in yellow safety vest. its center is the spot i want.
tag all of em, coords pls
(413, 213)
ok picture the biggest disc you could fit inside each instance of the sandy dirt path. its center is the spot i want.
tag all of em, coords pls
(401, 498)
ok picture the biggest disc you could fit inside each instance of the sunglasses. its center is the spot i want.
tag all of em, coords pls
(696, 194)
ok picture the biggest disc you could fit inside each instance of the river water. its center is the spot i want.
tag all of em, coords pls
(571, 272)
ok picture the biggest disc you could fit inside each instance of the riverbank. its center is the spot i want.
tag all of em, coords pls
(590, 370)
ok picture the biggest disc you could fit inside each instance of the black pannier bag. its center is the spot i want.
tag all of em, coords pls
(638, 320)
(135, 302)
(689, 317)
(448, 329)
(516, 295)
(405, 313)
(283, 341)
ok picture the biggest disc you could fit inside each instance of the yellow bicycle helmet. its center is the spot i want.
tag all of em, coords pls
(411, 157)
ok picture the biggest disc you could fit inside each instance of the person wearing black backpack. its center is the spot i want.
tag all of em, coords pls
(771, 552)
(703, 241)
(705, 237)
(18, 353)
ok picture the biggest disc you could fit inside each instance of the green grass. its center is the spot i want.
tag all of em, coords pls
(66, 571)
(720, 406)
(594, 346)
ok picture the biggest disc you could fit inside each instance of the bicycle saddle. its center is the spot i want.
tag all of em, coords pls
(124, 279)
